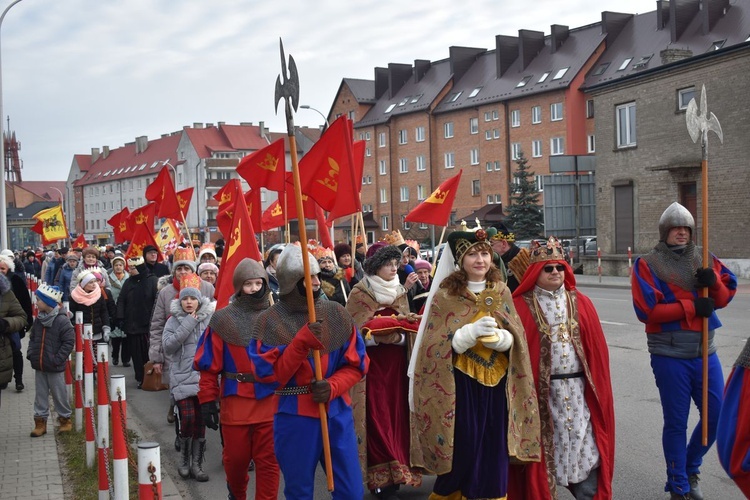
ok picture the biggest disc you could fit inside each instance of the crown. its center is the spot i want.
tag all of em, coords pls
(394, 238)
(460, 241)
(135, 261)
(50, 291)
(190, 280)
(551, 251)
(319, 251)
(414, 244)
(209, 247)
(183, 253)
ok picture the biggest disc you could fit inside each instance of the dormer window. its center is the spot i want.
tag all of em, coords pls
(625, 64)
(560, 73)
(522, 83)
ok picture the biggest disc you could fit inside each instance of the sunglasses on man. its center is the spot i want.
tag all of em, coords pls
(560, 268)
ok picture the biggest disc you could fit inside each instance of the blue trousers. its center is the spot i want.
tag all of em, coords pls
(299, 448)
(680, 381)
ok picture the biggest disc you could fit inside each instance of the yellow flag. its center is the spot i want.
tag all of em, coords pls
(52, 221)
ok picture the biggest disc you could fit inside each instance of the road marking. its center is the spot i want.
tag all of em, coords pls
(614, 323)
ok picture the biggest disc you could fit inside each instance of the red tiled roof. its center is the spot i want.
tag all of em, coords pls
(225, 138)
(83, 161)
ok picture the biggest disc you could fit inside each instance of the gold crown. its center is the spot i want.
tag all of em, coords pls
(551, 251)
(190, 280)
(183, 253)
(394, 238)
(319, 251)
(414, 244)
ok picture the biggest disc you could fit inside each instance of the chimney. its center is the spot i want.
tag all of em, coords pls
(105, 152)
(613, 23)
(197, 125)
(141, 143)
(662, 14)
(461, 59)
(712, 11)
(673, 55)
(559, 34)
(209, 125)
(530, 44)
(421, 67)
(220, 124)
(246, 124)
(680, 17)
(94, 154)
(398, 75)
(506, 53)
(381, 82)
(263, 129)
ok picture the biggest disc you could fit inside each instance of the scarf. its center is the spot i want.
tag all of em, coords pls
(86, 298)
(49, 317)
(385, 292)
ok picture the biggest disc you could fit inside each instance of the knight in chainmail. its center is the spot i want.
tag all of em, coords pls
(733, 434)
(246, 420)
(283, 360)
(667, 284)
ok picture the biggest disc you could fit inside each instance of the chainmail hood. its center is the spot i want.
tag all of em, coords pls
(290, 268)
(677, 268)
(247, 269)
(234, 323)
(675, 216)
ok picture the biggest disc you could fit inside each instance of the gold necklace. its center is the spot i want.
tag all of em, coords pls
(564, 330)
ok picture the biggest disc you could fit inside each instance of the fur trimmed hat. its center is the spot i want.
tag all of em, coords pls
(50, 295)
(382, 256)
(342, 249)
(90, 251)
(182, 257)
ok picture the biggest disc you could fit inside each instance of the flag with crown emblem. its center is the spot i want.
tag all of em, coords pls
(183, 199)
(162, 192)
(240, 244)
(143, 235)
(436, 209)
(144, 215)
(80, 242)
(120, 225)
(168, 236)
(351, 190)
(273, 216)
(265, 167)
(227, 196)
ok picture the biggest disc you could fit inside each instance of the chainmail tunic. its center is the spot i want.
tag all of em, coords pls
(234, 323)
(675, 268)
(744, 359)
(279, 324)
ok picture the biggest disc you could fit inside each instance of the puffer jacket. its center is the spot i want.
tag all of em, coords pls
(63, 281)
(12, 312)
(181, 334)
(49, 347)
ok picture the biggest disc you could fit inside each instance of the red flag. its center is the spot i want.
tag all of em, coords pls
(308, 203)
(142, 235)
(273, 216)
(350, 191)
(240, 244)
(162, 192)
(227, 196)
(436, 209)
(183, 198)
(144, 215)
(119, 223)
(265, 168)
(326, 170)
(324, 229)
(254, 208)
(80, 242)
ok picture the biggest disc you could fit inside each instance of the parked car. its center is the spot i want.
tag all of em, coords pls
(579, 246)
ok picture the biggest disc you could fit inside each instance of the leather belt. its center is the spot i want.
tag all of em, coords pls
(562, 376)
(239, 377)
(293, 391)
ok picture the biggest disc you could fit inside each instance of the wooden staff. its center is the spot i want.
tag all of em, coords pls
(289, 92)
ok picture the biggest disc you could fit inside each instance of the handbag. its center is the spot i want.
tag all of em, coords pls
(152, 381)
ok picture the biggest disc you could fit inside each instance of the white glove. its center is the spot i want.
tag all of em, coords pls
(466, 337)
(105, 333)
(505, 342)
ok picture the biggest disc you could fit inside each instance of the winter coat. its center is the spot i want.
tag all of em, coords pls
(21, 291)
(63, 281)
(136, 302)
(97, 314)
(180, 340)
(49, 347)
(53, 265)
(33, 268)
(117, 285)
(81, 268)
(167, 293)
(12, 313)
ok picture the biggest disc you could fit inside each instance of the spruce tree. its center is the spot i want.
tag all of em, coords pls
(524, 213)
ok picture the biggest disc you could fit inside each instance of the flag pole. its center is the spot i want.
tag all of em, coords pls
(435, 249)
(289, 92)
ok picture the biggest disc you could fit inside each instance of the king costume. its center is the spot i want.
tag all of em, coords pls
(284, 366)
(570, 363)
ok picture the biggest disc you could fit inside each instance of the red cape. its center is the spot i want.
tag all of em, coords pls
(529, 481)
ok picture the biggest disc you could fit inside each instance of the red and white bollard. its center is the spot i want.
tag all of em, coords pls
(119, 437)
(149, 471)
(79, 371)
(34, 307)
(630, 262)
(88, 393)
(599, 262)
(68, 367)
(102, 417)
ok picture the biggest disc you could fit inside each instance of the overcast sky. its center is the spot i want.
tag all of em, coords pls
(78, 74)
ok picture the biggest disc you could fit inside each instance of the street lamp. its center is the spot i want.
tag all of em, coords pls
(3, 202)
(305, 106)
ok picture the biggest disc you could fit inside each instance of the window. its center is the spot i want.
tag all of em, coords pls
(590, 108)
(560, 73)
(404, 223)
(490, 199)
(448, 129)
(455, 96)
(488, 166)
(515, 118)
(495, 115)
(381, 140)
(367, 136)
(497, 166)
(419, 134)
(498, 198)
(625, 125)
(404, 101)
(536, 114)
(420, 192)
(389, 108)
(382, 169)
(402, 136)
(474, 156)
(515, 150)
(475, 187)
(556, 146)
(496, 133)
(422, 225)
(420, 163)
(403, 165)
(543, 78)
(368, 152)
(487, 116)
(450, 160)
(487, 135)
(523, 82)
(404, 193)
(475, 92)
(364, 179)
(591, 141)
(536, 148)
(601, 69)
(539, 182)
(383, 195)
(416, 98)
(351, 115)
(717, 44)
(684, 96)
(556, 112)
(643, 62)
(624, 64)
(474, 126)
(384, 222)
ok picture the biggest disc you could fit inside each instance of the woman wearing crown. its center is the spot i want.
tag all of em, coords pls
(570, 361)
(473, 398)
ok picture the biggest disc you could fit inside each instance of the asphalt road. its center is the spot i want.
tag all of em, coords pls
(639, 466)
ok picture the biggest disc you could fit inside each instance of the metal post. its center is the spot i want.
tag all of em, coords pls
(149, 471)
(3, 201)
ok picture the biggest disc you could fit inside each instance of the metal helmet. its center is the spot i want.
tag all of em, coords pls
(675, 216)
(290, 268)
